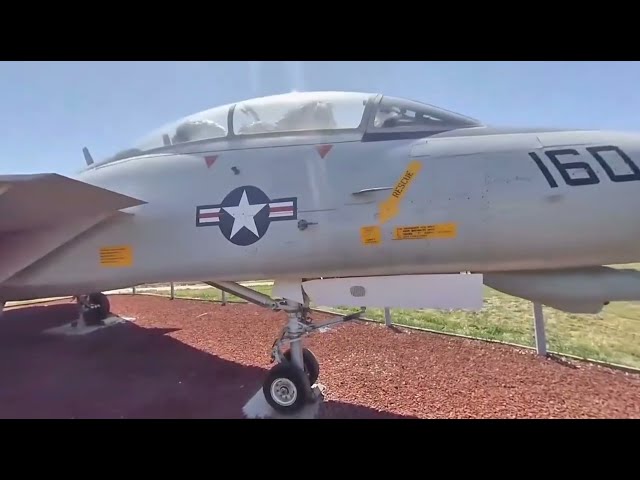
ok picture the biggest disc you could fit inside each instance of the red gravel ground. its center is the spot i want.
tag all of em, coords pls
(191, 359)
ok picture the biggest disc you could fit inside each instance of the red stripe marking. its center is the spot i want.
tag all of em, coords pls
(281, 209)
(209, 215)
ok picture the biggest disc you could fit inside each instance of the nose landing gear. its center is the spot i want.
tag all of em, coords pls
(288, 385)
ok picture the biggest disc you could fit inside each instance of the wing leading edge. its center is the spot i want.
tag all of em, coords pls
(40, 213)
(43, 200)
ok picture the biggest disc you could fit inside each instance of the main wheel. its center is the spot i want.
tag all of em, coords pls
(102, 302)
(310, 362)
(92, 316)
(286, 388)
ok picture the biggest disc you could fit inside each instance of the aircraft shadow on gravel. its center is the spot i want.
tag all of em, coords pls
(124, 371)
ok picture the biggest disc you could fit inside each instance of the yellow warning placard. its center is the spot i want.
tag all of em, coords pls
(371, 235)
(391, 206)
(421, 232)
(116, 256)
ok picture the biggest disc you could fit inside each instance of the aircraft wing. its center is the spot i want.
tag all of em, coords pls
(48, 199)
(40, 213)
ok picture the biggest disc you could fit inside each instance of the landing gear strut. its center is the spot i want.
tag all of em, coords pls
(288, 386)
(94, 308)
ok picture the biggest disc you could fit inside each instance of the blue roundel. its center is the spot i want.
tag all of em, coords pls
(245, 214)
(245, 217)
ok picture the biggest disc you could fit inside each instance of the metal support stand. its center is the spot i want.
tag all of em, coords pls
(79, 322)
(295, 332)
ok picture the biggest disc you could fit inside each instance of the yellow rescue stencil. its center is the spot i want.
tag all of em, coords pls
(421, 232)
(116, 256)
(391, 206)
(371, 235)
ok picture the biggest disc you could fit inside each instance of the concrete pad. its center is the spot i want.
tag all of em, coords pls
(78, 327)
(257, 407)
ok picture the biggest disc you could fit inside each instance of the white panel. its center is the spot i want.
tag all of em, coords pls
(442, 292)
(287, 288)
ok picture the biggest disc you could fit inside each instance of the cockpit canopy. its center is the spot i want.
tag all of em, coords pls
(300, 113)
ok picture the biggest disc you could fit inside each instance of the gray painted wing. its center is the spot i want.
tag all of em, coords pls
(35, 201)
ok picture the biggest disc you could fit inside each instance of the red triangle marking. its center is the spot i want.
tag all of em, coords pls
(323, 150)
(210, 160)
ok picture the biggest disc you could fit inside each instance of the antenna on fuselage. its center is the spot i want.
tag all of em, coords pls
(87, 156)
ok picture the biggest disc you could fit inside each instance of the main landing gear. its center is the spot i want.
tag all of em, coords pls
(288, 386)
(94, 308)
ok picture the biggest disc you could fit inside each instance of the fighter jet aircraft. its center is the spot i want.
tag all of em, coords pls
(344, 199)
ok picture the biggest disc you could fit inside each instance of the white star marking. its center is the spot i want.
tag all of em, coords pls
(243, 215)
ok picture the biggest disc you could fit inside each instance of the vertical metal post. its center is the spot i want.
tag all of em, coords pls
(387, 316)
(224, 297)
(173, 291)
(540, 334)
(133, 290)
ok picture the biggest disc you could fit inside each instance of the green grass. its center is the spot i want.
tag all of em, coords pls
(611, 336)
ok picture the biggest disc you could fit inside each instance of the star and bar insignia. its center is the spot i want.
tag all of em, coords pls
(245, 214)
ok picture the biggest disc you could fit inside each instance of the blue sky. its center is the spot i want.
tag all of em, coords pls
(50, 110)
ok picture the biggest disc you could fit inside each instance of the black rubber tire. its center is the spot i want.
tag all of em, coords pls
(296, 378)
(311, 365)
(102, 302)
(91, 316)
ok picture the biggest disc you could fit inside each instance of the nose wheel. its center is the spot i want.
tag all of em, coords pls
(287, 388)
(311, 365)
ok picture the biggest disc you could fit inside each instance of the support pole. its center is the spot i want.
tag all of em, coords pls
(173, 291)
(539, 329)
(387, 316)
